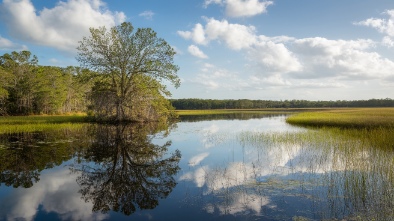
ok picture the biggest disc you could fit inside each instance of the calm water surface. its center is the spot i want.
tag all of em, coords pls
(217, 168)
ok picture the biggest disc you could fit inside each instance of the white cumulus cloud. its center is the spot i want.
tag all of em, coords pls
(345, 58)
(60, 27)
(241, 8)
(288, 62)
(275, 57)
(234, 35)
(197, 34)
(195, 51)
(384, 26)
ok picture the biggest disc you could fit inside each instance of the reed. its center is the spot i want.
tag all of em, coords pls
(17, 124)
(39, 119)
(356, 138)
(37, 127)
(348, 117)
(355, 165)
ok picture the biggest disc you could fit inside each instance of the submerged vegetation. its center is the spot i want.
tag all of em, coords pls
(353, 166)
(349, 118)
(347, 152)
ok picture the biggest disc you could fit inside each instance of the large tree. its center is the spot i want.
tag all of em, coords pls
(128, 60)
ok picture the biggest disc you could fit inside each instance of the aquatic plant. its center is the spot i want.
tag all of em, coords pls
(346, 117)
(354, 166)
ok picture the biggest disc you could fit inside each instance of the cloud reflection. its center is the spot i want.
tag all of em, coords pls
(197, 159)
(57, 193)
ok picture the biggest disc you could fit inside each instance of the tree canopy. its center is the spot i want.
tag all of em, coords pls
(129, 62)
(28, 88)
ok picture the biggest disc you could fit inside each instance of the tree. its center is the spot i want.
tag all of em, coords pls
(79, 84)
(5, 81)
(127, 61)
(51, 90)
(21, 66)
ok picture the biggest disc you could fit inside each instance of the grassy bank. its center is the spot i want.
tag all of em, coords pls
(16, 124)
(42, 119)
(346, 118)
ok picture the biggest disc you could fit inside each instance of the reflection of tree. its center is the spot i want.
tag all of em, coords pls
(26, 154)
(129, 171)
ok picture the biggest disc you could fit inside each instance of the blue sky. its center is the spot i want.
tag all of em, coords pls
(231, 49)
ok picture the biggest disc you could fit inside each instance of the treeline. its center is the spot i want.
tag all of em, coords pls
(28, 88)
(196, 104)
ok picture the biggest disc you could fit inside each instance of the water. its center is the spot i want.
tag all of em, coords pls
(218, 168)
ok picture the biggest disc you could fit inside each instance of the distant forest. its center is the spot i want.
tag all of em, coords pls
(199, 104)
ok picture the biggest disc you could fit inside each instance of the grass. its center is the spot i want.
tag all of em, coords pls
(356, 163)
(379, 137)
(346, 118)
(17, 124)
(39, 119)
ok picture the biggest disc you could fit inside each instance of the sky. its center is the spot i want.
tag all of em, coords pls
(230, 49)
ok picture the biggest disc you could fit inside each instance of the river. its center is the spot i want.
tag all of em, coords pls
(240, 167)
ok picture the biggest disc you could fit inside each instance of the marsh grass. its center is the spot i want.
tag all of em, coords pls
(39, 119)
(356, 165)
(18, 124)
(379, 137)
(347, 117)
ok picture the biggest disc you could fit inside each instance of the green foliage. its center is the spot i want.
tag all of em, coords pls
(27, 88)
(50, 90)
(132, 64)
(21, 68)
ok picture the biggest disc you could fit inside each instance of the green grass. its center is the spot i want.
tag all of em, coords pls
(347, 117)
(39, 119)
(17, 124)
(379, 137)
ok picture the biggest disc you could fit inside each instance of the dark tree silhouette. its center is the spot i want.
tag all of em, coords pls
(129, 172)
